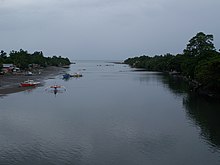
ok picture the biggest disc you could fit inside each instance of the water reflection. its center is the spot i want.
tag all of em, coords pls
(149, 76)
(205, 114)
(202, 112)
(175, 84)
(55, 91)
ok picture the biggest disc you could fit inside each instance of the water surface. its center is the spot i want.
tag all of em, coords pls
(112, 115)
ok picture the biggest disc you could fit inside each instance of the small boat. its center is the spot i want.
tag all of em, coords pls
(66, 76)
(28, 73)
(76, 75)
(66, 66)
(29, 83)
(55, 89)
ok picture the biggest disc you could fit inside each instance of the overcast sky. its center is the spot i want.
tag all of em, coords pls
(106, 29)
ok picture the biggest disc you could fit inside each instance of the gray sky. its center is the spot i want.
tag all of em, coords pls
(106, 29)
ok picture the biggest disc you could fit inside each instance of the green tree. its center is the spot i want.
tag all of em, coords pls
(199, 45)
(175, 63)
(208, 73)
(20, 58)
(38, 58)
(3, 54)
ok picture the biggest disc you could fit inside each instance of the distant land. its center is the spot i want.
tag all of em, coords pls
(25, 60)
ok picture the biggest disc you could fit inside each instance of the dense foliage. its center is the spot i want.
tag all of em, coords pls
(23, 59)
(199, 62)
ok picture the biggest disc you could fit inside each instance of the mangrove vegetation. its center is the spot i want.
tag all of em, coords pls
(199, 63)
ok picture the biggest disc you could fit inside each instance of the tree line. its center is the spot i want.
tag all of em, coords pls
(199, 62)
(23, 59)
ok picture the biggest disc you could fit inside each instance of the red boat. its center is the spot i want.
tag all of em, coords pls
(29, 83)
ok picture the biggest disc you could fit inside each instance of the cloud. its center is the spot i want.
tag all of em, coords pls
(106, 26)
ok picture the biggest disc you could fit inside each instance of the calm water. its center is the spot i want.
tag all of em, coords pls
(113, 115)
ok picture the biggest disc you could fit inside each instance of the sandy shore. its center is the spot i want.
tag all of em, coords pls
(10, 83)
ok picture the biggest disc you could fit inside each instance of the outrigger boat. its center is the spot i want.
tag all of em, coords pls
(76, 75)
(55, 89)
(29, 83)
(66, 76)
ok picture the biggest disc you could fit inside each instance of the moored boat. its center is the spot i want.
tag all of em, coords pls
(66, 76)
(66, 66)
(76, 75)
(28, 73)
(29, 83)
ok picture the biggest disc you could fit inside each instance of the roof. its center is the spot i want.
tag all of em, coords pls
(7, 65)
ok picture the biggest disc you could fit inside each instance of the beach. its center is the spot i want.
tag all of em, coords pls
(10, 83)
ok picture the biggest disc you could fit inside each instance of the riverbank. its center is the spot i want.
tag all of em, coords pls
(10, 83)
(196, 87)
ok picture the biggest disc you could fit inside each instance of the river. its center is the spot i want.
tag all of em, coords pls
(113, 115)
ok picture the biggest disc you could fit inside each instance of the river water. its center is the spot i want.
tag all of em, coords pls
(113, 115)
